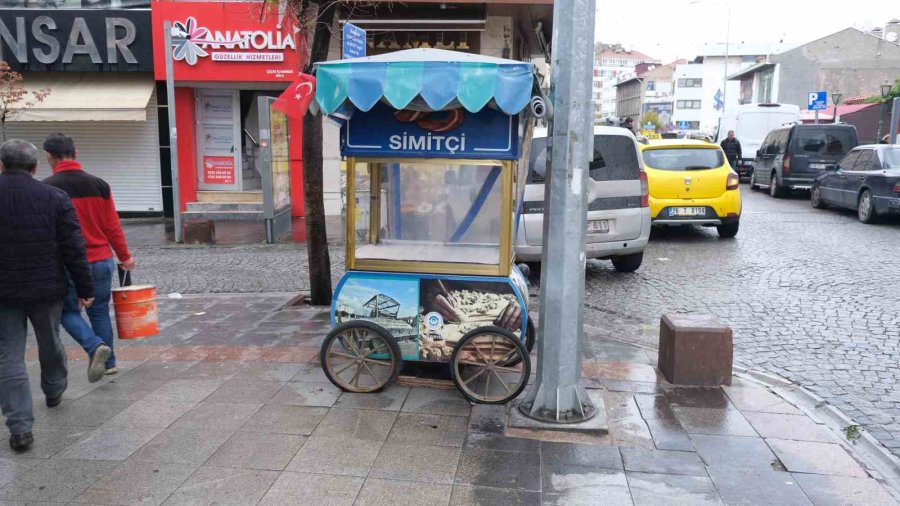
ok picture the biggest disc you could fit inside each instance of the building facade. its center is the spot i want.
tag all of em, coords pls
(611, 63)
(97, 66)
(852, 61)
(702, 92)
(650, 90)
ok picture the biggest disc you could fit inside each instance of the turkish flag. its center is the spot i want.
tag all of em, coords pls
(297, 97)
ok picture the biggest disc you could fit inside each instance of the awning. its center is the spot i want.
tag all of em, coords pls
(759, 67)
(89, 97)
(435, 78)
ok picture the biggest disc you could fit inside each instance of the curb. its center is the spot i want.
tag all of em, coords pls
(880, 462)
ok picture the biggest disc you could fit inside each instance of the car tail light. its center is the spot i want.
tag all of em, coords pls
(786, 164)
(733, 181)
(897, 188)
(645, 190)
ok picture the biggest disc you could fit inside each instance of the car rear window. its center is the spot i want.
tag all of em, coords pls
(615, 159)
(824, 141)
(890, 158)
(683, 158)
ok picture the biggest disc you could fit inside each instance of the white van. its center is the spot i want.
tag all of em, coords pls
(618, 219)
(751, 124)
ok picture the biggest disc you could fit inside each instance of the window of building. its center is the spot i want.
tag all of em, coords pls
(651, 86)
(687, 104)
(690, 83)
(766, 81)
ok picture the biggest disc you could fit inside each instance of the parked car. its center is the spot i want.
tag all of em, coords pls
(791, 157)
(691, 183)
(751, 123)
(618, 219)
(867, 180)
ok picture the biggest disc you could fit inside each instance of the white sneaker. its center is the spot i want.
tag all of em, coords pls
(97, 367)
(111, 370)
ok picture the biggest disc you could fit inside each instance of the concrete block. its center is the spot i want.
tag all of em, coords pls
(695, 350)
(198, 231)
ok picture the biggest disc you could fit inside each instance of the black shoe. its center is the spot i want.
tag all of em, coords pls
(52, 402)
(21, 442)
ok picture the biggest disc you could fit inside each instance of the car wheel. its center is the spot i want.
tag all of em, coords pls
(628, 263)
(865, 209)
(728, 230)
(753, 185)
(775, 191)
(815, 198)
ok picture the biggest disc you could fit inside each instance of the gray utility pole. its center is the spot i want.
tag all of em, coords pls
(556, 395)
(895, 118)
(173, 132)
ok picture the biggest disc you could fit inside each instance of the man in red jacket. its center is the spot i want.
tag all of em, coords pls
(103, 234)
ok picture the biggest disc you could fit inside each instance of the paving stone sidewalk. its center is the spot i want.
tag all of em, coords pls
(228, 405)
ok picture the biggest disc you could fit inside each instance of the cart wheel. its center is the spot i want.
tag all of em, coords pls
(361, 357)
(482, 368)
(530, 337)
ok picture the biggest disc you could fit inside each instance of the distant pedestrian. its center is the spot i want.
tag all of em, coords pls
(629, 124)
(103, 234)
(732, 149)
(40, 241)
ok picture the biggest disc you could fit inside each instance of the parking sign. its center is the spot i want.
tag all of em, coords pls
(817, 101)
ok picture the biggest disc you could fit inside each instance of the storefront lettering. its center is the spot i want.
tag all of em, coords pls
(244, 39)
(428, 142)
(413, 40)
(43, 36)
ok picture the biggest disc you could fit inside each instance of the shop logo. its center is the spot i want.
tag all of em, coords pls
(434, 321)
(190, 42)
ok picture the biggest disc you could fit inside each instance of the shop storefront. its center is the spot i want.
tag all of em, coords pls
(97, 66)
(226, 56)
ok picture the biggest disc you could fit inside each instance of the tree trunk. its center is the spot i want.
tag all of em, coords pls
(316, 236)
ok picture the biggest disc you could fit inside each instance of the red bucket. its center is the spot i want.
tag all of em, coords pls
(136, 315)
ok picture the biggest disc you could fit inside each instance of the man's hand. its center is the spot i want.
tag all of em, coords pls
(511, 317)
(85, 303)
(127, 265)
(446, 306)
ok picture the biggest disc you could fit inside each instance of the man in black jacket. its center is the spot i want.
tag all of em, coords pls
(732, 149)
(40, 241)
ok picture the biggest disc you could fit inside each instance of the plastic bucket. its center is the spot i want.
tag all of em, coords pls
(136, 315)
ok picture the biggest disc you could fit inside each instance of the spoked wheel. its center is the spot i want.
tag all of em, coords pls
(360, 357)
(482, 365)
(530, 339)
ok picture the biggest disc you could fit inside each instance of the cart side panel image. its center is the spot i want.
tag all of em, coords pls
(432, 141)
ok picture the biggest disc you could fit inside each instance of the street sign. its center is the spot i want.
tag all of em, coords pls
(683, 125)
(354, 43)
(817, 101)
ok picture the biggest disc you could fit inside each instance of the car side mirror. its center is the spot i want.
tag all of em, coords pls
(758, 153)
(832, 168)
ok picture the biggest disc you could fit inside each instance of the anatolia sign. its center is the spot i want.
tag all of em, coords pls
(238, 41)
(76, 40)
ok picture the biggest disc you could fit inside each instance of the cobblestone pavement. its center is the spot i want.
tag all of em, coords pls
(811, 295)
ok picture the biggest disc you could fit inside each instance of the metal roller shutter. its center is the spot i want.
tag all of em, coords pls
(124, 153)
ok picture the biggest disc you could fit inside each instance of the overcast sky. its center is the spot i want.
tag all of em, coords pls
(670, 29)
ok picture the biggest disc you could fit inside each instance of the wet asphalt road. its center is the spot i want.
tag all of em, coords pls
(813, 296)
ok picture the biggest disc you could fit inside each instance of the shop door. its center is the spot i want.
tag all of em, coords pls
(218, 140)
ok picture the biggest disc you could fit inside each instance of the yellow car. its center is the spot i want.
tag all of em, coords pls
(691, 183)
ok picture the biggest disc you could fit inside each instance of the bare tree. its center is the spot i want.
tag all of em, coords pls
(315, 19)
(14, 98)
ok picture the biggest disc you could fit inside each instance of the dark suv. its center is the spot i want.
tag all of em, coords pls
(792, 156)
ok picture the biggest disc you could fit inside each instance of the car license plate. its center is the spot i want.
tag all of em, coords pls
(687, 211)
(597, 226)
(818, 166)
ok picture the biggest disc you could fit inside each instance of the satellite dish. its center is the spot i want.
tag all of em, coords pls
(891, 37)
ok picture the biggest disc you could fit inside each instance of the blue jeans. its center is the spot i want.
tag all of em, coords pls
(15, 392)
(100, 330)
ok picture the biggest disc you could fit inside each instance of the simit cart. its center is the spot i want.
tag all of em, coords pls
(434, 143)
